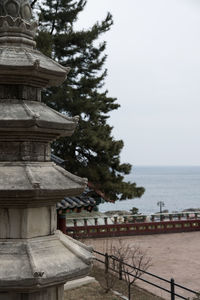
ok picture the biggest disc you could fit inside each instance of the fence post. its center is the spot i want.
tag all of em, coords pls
(85, 222)
(120, 269)
(172, 289)
(115, 220)
(106, 262)
(129, 291)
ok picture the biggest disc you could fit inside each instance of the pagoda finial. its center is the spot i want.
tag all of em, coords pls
(16, 27)
(16, 9)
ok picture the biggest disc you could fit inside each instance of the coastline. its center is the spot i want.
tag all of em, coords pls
(120, 213)
(177, 187)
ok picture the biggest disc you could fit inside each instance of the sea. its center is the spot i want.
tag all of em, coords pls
(177, 186)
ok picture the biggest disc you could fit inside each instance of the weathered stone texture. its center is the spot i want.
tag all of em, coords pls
(24, 151)
(16, 8)
(35, 259)
(36, 184)
(23, 92)
(52, 293)
(22, 120)
(27, 223)
(29, 265)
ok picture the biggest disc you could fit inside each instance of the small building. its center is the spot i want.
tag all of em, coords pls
(73, 204)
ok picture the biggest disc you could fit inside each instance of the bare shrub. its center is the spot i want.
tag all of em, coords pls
(197, 296)
(119, 253)
(134, 256)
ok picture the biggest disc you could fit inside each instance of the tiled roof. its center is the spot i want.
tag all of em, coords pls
(75, 202)
(57, 160)
(70, 203)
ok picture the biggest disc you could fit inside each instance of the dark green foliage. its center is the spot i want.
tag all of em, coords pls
(134, 211)
(92, 151)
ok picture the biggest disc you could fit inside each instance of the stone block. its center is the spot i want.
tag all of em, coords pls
(27, 223)
(30, 265)
(51, 293)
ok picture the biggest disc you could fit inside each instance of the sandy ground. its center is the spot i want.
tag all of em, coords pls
(174, 255)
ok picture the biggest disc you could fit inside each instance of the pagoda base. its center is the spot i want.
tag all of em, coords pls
(51, 293)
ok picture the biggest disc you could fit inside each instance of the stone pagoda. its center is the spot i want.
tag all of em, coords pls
(35, 259)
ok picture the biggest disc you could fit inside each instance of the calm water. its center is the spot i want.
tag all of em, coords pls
(177, 187)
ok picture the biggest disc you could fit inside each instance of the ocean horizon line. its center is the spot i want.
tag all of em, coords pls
(166, 166)
(177, 186)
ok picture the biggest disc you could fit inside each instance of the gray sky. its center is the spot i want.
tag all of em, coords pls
(154, 71)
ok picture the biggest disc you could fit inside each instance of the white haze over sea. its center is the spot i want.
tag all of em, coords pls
(178, 187)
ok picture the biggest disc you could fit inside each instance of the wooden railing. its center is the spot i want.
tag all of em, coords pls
(139, 225)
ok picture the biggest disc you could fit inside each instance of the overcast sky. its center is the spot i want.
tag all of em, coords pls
(154, 70)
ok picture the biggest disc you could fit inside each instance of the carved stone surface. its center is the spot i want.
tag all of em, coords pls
(17, 32)
(23, 64)
(38, 70)
(27, 222)
(23, 92)
(51, 293)
(33, 120)
(16, 8)
(35, 260)
(25, 151)
(33, 184)
(58, 258)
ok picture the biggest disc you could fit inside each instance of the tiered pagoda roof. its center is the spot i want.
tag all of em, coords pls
(35, 259)
(83, 201)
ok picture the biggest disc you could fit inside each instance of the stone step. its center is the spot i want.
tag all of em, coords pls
(79, 282)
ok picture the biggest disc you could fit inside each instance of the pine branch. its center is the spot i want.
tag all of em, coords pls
(98, 155)
(54, 19)
(33, 3)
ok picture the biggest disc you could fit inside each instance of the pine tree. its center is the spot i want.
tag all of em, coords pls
(92, 151)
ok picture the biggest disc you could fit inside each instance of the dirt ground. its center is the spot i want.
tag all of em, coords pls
(173, 256)
(99, 290)
(92, 291)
